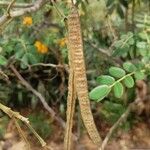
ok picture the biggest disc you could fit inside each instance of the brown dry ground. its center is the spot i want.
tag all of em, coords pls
(138, 138)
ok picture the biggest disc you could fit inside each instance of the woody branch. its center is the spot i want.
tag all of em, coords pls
(22, 11)
(16, 5)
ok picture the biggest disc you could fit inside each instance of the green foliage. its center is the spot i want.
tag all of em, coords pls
(120, 78)
(124, 45)
(3, 60)
(105, 79)
(129, 82)
(111, 111)
(3, 123)
(99, 92)
(118, 89)
(139, 75)
(116, 72)
(40, 123)
(129, 67)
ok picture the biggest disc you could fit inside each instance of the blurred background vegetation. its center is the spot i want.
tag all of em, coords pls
(114, 32)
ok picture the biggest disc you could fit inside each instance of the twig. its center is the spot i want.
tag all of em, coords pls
(122, 119)
(114, 127)
(51, 65)
(22, 134)
(37, 94)
(42, 99)
(35, 134)
(107, 52)
(104, 51)
(16, 5)
(47, 65)
(10, 6)
(16, 13)
(13, 114)
(58, 11)
(4, 76)
(9, 19)
(111, 28)
(126, 40)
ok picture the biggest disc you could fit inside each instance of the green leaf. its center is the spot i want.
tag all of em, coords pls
(118, 44)
(142, 35)
(140, 65)
(129, 82)
(113, 107)
(99, 92)
(3, 60)
(139, 75)
(19, 54)
(32, 58)
(105, 79)
(128, 66)
(24, 61)
(131, 41)
(143, 52)
(120, 51)
(118, 89)
(116, 72)
(139, 25)
(146, 59)
(141, 45)
(130, 34)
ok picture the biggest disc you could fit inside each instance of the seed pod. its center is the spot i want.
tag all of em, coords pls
(75, 46)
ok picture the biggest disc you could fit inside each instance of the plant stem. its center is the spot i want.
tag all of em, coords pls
(130, 74)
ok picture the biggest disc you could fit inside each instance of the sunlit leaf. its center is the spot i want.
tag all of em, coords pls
(128, 66)
(116, 72)
(118, 89)
(105, 79)
(141, 45)
(129, 82)
(99, 93)
(139, 75)
(3, 60)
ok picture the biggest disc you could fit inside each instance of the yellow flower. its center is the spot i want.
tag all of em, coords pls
(27, 21)
(44, 49)
(37, 44)
(41, 48)
(62, 42)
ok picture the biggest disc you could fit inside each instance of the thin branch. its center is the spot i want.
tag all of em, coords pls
(47, 65)
(107, 52)
(109, 22)
(36, 134)
(59, 12)
(52, 65)
(122, 119)
(10, 6)
(16, 5)
(4, 76)
(22, 134)
(104, 51)
(13, 114)
(114, 127)
(42, 99)
(16, 13)
(37, 94)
